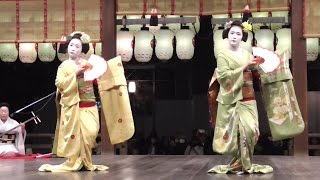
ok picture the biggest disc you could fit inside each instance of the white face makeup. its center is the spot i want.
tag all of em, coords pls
(74, 49)
(235, 36)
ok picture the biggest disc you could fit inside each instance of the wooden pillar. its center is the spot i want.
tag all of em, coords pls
(299, 69)
(108, 38)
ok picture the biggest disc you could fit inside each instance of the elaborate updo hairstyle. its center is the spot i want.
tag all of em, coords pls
(235, 23)
(83, 37)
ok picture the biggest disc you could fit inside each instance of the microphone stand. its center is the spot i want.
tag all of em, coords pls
(31, 104)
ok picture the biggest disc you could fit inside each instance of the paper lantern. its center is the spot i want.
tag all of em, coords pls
(88, 54)
(98, 49)
(8, 52)
(312, 49)
(164, 43)
(125, 44)
(265, 38)
(27, 52)
(144, 43)
(248, 44)
(62, 56)
(185, 43)
(284, 40)
(46, 51)
(218, 43)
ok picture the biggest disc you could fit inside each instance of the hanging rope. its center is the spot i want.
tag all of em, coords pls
(17, 20)
(45, 19)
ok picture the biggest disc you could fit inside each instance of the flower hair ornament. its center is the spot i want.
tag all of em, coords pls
(246, 26)
(85, 38)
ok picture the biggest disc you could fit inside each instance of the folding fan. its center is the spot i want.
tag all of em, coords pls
(96, 68)
(271, 60)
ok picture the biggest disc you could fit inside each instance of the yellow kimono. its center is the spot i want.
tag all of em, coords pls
(77, 126)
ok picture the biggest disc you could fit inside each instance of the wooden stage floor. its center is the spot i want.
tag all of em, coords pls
(141, 167)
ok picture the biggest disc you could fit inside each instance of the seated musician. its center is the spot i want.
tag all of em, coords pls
(11, 143)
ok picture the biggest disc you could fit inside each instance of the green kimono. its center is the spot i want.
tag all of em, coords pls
(237, 128)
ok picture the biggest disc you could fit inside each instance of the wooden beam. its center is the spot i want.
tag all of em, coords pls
(299, 69)
(108, 39)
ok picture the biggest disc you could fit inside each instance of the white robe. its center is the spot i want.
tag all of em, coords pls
(17, 148)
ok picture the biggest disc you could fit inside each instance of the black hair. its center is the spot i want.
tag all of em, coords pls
(64, 45)
(4, 104)
(235, 23)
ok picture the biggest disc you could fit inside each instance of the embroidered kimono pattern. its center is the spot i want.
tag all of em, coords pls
(237, 128)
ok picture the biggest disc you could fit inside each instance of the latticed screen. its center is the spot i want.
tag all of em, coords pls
(311, 18)
(48, 20)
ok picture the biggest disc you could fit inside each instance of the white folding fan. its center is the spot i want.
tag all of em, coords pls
(271, 59)
(98, 66)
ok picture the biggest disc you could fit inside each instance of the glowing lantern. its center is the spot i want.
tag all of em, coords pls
(144, 43)
(164, 43)
(27, 52)
(8, 52)
(185, 43)
(312, 49)
(46, 51)
(284, 40)
(265, 38)
(125, 44)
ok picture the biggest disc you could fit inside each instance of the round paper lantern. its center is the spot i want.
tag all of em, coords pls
(62, 56)
(27, 52)
(284, 40)
(46, 51)
(98, 49)
(8, 52)
(164, 43)
(144, 43)
(312, 49)
(248, 44)
(125, 44)
(265, 38)
(218, 43)
(88, 54)
(185, 43)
